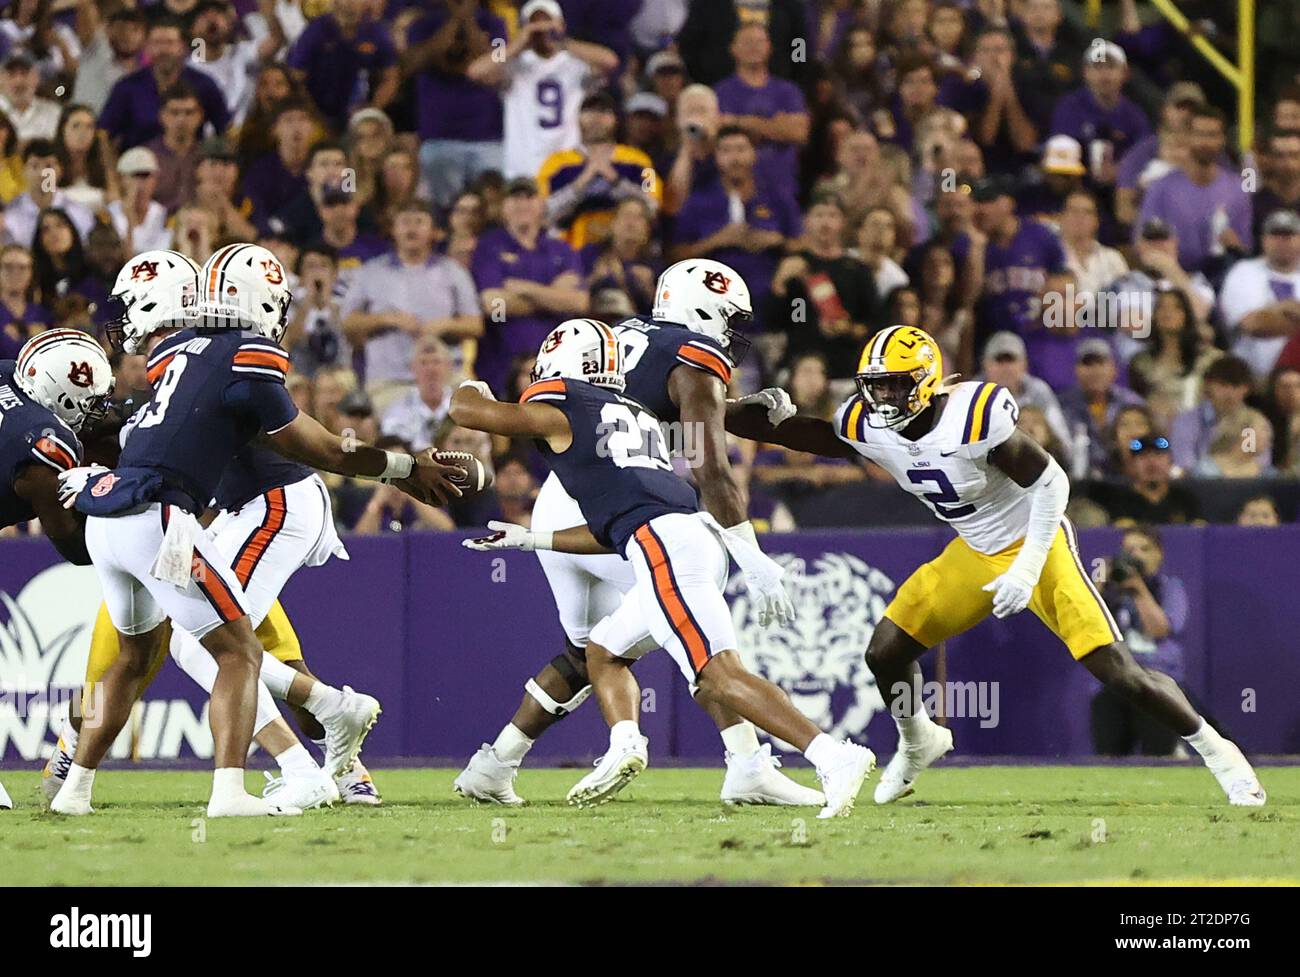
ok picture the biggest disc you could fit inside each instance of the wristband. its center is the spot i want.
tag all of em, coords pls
(543, 541)
(399, 466)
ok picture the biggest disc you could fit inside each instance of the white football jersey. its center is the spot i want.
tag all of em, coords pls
(948, 469)
(541, 98)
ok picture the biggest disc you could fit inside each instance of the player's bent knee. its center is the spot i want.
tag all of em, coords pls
(890, 646)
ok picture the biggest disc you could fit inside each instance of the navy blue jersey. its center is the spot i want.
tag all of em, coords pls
(213, 392)
(652, 350)
(255, 471)
(30, 434)
(617, 468)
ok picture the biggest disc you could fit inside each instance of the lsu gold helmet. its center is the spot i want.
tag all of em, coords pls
(898, 374)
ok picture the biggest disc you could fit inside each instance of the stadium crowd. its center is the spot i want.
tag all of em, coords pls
(1063, 207)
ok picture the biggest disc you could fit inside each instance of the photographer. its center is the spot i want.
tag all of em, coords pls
(1151, 610)
(315, 335)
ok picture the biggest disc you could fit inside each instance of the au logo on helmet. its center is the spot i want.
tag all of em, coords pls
(82, 374)
(274, 273)
(715, 281)
(144, 271)
(553, 341)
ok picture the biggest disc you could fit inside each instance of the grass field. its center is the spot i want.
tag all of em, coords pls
(967, 825)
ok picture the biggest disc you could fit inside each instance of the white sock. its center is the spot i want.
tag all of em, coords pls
(277, 675)
(624, 729)
(821, 749)
(80, 781)
(511, 745)
(912, 728)
(1206, 741)
(322, 699)
(297, 762)
(228, 782)
(740, 739)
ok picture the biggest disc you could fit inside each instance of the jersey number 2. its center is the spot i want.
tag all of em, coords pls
(162, 396)
(942, 500)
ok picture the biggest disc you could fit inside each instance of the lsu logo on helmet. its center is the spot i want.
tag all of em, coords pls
(898, 375)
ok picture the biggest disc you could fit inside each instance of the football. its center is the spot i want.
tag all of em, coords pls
(476, 476)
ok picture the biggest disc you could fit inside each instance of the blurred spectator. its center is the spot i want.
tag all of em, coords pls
(1091, 403)
(1093, 265)
(1003, 124)
(59, 262)
(1221, 414)
(395, 300)
(194, 233)
(624, 260)
(740, 220)
(1151, 609)
(1006, 362)
(646, 128)
(273, 179)
(1260, 297)
(1049, 56)
(300, 217)
(862, 182)
(528, 282)
(1156, 269)
(877, 247)
(86, 159)
(1150, 495)
(1284, 410)
(665, 72)
(1159, 152)
(1202, 201)
(860, 71)
(139, 219)
(228, 59)
(1033, 421)
(1059, 175)
(708, 24)
(390, 510)
(581, 185)
(1259, 510)
(110, 49)
(276, 85)
(1105, 122)
(41, 173)
(514, 491)
(330, 386)
(809, 386)
(340, 212)
(397, 187)
(458, 119)
(1167, 371)
(771, 110)
(693, 166)
(131, 115)
(369, 137)
(827, 296)
(342, 52)
(1279, 188)
(942, 309)
(11, 162)
(541, 79)
(418, 414)
(216, 190)
(33, 117)
(315, 336)
(23, 317)
(176, 150)
(915, 105)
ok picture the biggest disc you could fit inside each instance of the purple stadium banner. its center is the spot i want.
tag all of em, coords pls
(445, 638)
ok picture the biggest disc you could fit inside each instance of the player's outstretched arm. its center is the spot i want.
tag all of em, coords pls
(307, 440)
(800, 433)
(65, 528)
(701, 402)
(474, 407)
(509, 536)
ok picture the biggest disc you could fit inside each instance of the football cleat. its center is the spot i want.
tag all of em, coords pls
(248, 806)
(621, 764)
(56, 771)
(357, 787)
(346, 728)
(6, 802)
(757, 779)
(1237, 777)
(71, 806)
(842, 778)
(488, 779)
(304, 793)
(908, 762)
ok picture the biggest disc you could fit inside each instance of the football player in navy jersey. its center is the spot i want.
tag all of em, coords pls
(608, 452)
(217, 386)
(677, 363)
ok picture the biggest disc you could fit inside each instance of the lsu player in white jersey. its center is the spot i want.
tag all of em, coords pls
(956, 447)
(678, 364)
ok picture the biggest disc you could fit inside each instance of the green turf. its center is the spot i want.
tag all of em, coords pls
(983, 824)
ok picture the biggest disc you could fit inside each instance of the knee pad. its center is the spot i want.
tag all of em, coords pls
(575, 678)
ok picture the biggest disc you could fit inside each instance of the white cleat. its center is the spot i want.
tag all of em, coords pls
(620, 765)
(1237, 778)
(358, 787)
(488, 779)
(248, 806)
(74, 807)
(346, 729)
(304, 793)
(908, 762)
(757, 779)
(6, 802)
(56, 771)
(843, 777)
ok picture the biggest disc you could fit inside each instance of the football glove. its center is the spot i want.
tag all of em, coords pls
(763, 579)
(780, 407)
(480, 386)
(505, 536)
(74, 481)
(1012, 590)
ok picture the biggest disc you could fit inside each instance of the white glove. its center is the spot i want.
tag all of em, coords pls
(505, 536)
(480, 386)
(780, 407)
(1012, 590)
(763, 578)
(74, 481)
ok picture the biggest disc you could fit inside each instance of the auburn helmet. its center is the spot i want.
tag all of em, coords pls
(898, 375)
(582, 349)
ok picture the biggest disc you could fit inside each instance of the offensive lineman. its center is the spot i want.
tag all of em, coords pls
(956, 446)
(608, 453)
(677, 364)
(218, 388)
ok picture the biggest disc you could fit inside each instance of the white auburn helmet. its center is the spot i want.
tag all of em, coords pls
(582, 349)
(244, 286)
(705, 296)
(155, 290)
(66, 371)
